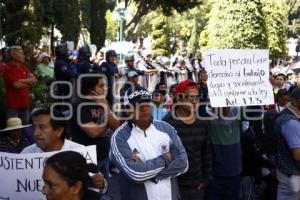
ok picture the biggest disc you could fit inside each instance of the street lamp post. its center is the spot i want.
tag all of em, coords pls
(298, 49)
(121, 12)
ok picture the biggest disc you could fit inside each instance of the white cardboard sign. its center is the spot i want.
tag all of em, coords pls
(21, 174)
(238, 77)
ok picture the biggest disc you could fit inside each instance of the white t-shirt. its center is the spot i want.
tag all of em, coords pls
(68, 145)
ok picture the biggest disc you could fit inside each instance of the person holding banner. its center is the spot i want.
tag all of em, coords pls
(50, 135)
(66, 176)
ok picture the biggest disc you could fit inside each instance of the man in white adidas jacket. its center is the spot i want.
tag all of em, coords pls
(148, 153)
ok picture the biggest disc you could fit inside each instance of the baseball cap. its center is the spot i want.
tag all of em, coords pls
(137, 95)
(132, 74)
(184, 85)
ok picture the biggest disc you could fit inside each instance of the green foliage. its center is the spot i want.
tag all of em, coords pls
(144, 7)
(200, 14)
(160, 43)
(193, 42)
(166, 5)
(40, 93)
(203, 41)
(295, 28)
(237, 24)
(180, 26)
(294, 18)
(98, 22)
(275, 18)
(93, 18)
(112, 27)
(67, 19)
(144, 27)
(253, 24)
(19, 24)
(178, 5)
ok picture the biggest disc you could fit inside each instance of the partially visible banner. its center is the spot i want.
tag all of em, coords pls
(21, 174)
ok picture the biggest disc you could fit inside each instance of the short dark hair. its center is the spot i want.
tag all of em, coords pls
(54, 122)
(158, 92)
(281, 93)
(4, 54)
(159, 84)
(11, 50)
(89, 83)
(72, 167)
(295, 94)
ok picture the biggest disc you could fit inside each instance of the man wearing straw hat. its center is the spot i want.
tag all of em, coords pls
(11, 138)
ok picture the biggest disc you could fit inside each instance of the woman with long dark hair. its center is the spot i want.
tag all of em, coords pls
(66, 177)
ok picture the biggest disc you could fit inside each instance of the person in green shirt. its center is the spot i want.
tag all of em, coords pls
(45, 68)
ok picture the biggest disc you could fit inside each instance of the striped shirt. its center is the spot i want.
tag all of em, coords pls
(196, 140)
(6, 146)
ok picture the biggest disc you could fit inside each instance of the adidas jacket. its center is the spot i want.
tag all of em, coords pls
(155, 177)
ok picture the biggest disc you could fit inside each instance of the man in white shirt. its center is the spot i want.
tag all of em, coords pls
(50, 134)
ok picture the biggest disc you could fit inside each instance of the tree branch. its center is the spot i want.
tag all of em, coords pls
(291, 4)
(143, 9)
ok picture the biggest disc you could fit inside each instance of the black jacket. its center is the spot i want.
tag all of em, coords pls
(92, 195)
(197, 143)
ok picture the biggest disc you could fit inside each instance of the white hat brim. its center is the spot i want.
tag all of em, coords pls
(15, 127)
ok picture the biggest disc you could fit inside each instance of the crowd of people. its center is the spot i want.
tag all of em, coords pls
(152, 124)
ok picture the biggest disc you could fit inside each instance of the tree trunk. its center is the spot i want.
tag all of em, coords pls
(98, 25)
(52, 40)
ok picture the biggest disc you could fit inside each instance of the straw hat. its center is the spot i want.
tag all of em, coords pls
(13, 124)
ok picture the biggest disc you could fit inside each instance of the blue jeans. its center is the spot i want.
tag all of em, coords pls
(224, 188)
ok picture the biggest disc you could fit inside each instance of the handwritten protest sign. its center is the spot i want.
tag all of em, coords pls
(238, 77)
(21, 174)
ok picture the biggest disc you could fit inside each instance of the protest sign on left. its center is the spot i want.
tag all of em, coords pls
(21, 174)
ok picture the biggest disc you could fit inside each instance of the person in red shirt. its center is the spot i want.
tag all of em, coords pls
(18, 79)
(2, 92)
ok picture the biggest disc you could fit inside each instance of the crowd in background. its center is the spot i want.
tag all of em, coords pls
(218, 152)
